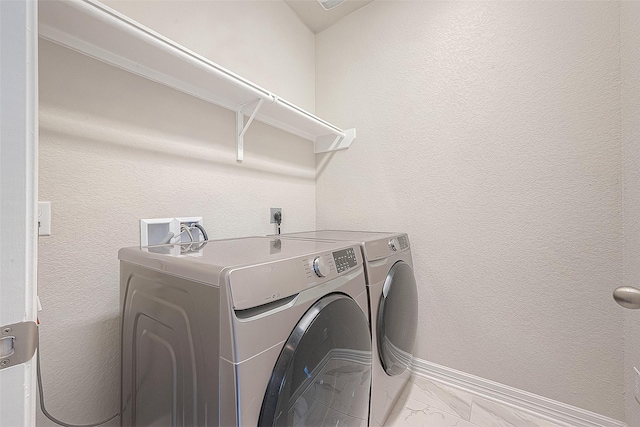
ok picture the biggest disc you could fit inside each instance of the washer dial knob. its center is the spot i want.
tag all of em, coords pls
(320, 267)
(393, 244)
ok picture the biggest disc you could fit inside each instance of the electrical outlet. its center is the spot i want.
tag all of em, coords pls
(636, 387)
(272, 218)
(44, 218)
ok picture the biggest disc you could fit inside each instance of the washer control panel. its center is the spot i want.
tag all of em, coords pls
(328, 265)
(345, 259)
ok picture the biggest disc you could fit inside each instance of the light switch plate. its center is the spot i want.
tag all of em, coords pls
(44, 218)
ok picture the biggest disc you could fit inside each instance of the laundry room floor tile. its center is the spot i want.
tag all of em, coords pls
(440, 396)
(412, 413)
(487, 413)
(427, 403)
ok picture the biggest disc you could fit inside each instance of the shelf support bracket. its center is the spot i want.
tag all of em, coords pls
(241, 127)
(327, 143)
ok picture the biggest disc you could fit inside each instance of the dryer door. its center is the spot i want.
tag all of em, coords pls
(397, 319)
(323, 374)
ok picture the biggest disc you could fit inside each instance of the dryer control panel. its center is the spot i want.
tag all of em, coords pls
(404, 242)
(385, 247)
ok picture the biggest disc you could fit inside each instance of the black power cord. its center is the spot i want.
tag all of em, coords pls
(278, 217)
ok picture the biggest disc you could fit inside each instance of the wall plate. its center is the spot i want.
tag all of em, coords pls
(272, 212)
(44, 218)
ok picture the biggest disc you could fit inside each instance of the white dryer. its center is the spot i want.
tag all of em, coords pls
(254, 331)
(393, 310)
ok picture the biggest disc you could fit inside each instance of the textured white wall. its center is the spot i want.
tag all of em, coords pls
(115, 148)
(490, 132)
(630, 66)
(263, 41)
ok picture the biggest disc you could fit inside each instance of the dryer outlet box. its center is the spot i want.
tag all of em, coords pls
(272, 215)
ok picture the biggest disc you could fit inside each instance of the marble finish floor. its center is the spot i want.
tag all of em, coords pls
(434, 404)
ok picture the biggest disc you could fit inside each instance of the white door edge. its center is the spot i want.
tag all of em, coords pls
(18, 196)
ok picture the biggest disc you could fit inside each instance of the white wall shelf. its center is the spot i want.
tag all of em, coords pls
(100, 32)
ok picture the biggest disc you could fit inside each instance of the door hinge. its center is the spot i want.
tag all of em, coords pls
(18, 343)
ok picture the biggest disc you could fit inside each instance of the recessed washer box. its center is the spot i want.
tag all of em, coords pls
(184, 238)
(155, 231)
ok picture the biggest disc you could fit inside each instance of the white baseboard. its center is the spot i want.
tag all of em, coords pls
(539, 406)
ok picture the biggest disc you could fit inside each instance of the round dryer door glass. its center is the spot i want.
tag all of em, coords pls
(397, 319)
(323, 374)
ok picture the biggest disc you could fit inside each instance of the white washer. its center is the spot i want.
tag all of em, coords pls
(393, 310)
(254, 331)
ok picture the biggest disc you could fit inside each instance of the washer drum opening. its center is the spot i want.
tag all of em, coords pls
(323, 374)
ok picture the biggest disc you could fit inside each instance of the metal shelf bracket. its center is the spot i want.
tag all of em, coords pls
(326, 143)
(241, 127)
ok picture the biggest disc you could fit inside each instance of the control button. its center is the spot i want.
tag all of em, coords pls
(393, 244)
(320, 267)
